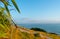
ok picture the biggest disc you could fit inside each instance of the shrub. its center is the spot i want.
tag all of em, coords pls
(38, 29)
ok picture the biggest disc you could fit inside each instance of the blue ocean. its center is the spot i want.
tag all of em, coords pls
(54, 28)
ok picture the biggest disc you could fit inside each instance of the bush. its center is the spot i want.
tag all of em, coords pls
(53, 33)
(38, 29)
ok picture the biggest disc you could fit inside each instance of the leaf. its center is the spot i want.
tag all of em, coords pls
(2, 9)
(2, 34)
(6, 6)
(7, 10)
(14, 3)
(2, 26)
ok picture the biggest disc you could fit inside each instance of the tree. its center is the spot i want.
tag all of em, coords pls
(7, 3)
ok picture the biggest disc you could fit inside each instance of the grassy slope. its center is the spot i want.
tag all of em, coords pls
(22, 33)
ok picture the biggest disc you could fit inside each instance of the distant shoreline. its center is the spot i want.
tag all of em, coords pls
(55, 28)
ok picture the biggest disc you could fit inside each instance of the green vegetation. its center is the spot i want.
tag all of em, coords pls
(9, 31)
(53, 33)
(5, 18)
(38, 29)
(7, 3)
(4, 23)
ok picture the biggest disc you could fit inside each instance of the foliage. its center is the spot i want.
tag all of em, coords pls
(7, 31)
(7, 3)
(4, 23)
(38, 29)
(5, 17)
(53, 33)
(2, 34)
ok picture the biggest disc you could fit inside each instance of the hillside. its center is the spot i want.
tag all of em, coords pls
(23, 33)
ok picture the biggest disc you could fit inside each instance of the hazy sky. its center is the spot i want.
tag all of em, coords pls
(37, 11)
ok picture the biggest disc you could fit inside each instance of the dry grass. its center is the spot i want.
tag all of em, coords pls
(22, 33)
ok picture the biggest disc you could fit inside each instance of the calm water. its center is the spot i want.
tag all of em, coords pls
(55, 28)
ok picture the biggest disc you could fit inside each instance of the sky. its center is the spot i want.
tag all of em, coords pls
(37, 11)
